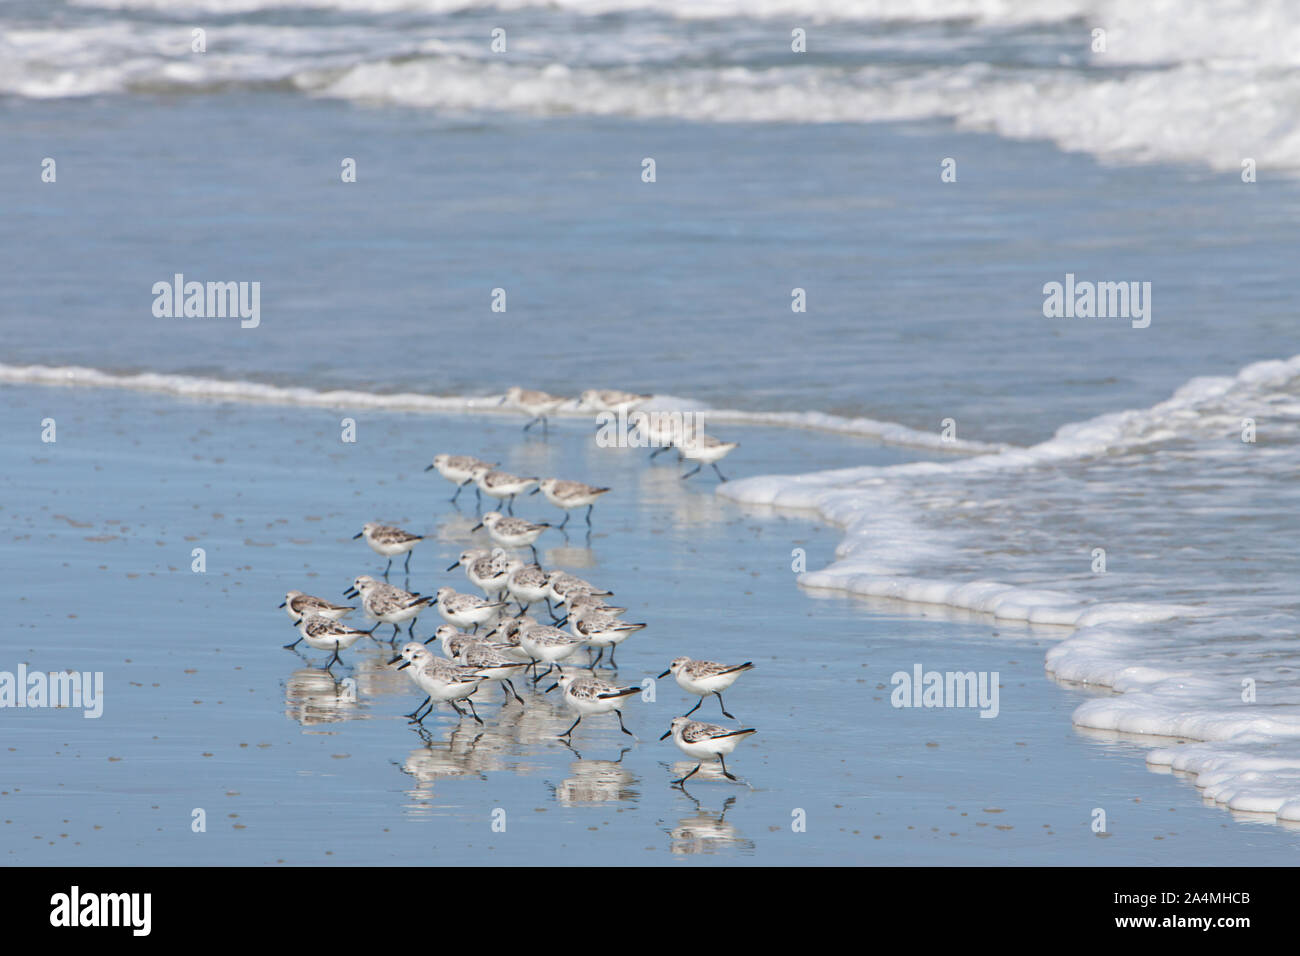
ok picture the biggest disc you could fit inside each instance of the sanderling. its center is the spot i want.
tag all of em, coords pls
(459, 470)
(547, 645)
(506, 636)
(487, 570)
(466, 610)
(663, 430)
(452, 639)
(706, 450)
(569, 494)
(528, 584)
(600, 630)
(298, 605)
(388, 604)
(502, 485)
(389, 541)
(590, 696)
(611, 400)
(705, 678)
(325, 634)
(575, 600)
(563, 584)
(511, 532)
(700, 740)
(492, 664)
(441, 679)
(535, 403)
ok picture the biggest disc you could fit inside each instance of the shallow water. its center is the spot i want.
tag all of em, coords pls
(204, 709)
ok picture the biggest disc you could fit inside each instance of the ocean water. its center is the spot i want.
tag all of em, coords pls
(1168, 452)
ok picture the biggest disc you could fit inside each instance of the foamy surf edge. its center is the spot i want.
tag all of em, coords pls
(233, 390)
(1131, 648)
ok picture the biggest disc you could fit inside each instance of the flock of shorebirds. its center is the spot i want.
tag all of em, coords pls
(514, 643)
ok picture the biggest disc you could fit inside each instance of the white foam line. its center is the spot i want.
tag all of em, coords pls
(214, 389)
(1103, 644)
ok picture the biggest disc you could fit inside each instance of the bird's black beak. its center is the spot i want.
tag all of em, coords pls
(535, 490)
(350, 593)
(357, 535)
(395, 660)
(283, 603)
(430, 468)
(665, 673)
(551, 688)
(476, 527)
(457, 564)
(667, 735)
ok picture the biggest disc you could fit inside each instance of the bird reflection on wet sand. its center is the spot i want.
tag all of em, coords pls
(314, 696)
(706, 831)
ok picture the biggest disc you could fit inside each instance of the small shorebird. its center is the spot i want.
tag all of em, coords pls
(452, 639)
(325, 634)
(529, 584)
(535, 403)
(564, 584)
(298, 605)
(547, 645)
(705, 450)
(492, 664)
(487, 570)
(568, 495)
(600, 630)
(700, 740)
(590, 696)
(663, 430)
(611, 400)
(466, 610)
(387, 604)
(459, 470)
(506, 636)
(511, 532)
(589, 602)
(388, 541)
(441, 679)
(501, 485)
(705, 678)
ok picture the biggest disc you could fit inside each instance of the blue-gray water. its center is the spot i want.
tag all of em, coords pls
(204, 710)
(522, 171)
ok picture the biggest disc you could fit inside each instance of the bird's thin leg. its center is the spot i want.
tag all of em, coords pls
(564, 522)
(427, 700)
(406, 568)
(722, 761)
(689, 473)
(569, 732)
(589, 507)
(513, 691)
(681, 780)
(620, 724)
(473, 711)
(294, 644)
(719, 471)
(695, 708)
(387, 569)
(718, 694)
